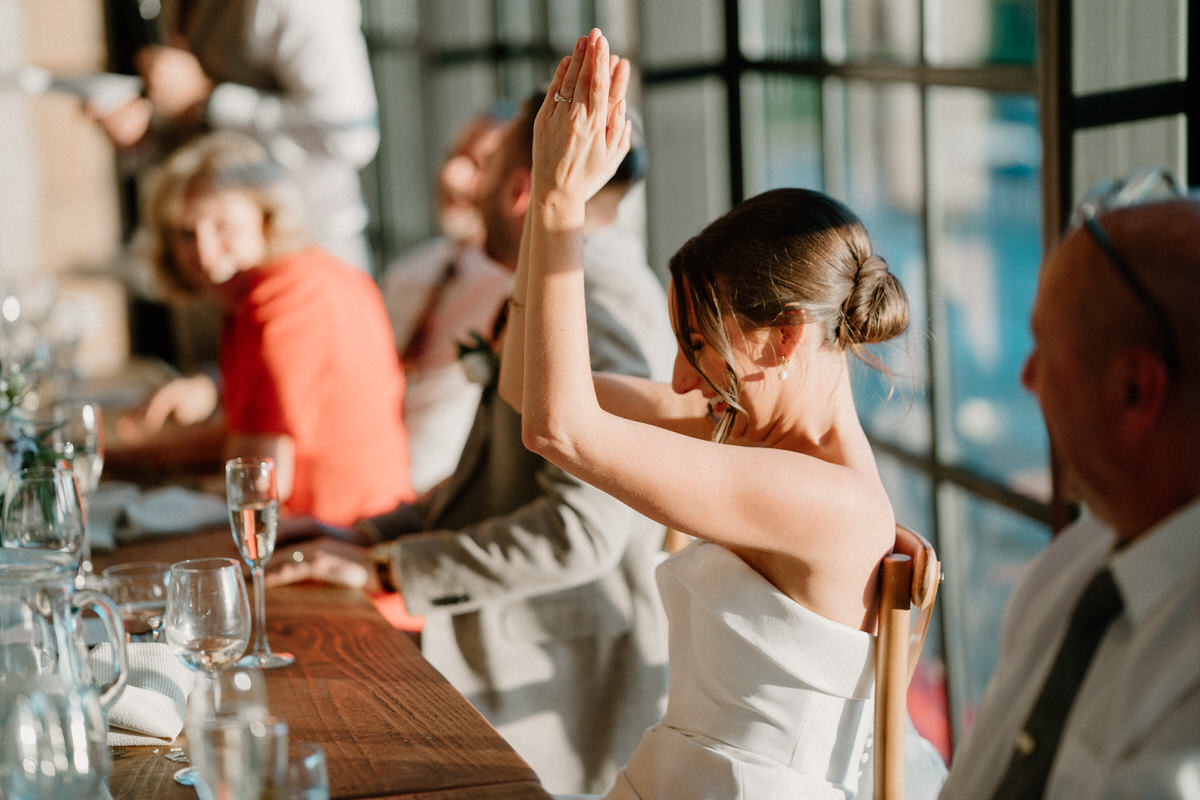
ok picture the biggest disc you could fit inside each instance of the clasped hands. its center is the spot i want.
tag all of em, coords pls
(578, 144)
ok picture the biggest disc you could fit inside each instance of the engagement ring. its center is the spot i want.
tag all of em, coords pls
(558, 98)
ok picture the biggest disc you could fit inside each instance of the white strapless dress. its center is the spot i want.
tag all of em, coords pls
(767, 698)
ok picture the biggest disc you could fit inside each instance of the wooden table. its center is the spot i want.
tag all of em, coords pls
(390, 724)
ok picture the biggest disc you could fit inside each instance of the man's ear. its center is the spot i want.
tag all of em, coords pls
(1141, 380)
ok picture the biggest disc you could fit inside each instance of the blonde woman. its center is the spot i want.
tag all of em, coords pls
(309, 373)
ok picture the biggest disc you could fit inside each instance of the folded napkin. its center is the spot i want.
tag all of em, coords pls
(106, 510)
(170, 509)
(121, 512)
(151, 709)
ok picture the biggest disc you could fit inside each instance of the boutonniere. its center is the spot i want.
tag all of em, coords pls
(479, 361)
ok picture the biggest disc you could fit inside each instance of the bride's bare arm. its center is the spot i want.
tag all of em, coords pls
(756, 497)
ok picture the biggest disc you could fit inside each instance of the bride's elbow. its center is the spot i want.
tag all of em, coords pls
(541, 435)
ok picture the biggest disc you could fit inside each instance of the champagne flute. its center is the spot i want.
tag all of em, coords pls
(207, 620)
(43, 513)
(139, 589)
(254, 517)
(81, 440)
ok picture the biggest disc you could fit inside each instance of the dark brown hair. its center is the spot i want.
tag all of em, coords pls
(785, 256)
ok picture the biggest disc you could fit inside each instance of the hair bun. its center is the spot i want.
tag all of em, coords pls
(876, 308)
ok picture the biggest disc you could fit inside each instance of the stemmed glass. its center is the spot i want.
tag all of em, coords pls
(207, 621)
(81, 440)
(43, 513)
(254, 517)
(139, 589)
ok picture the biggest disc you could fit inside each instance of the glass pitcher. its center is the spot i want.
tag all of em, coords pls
(42, 631)
(52, 708)
(52, 740)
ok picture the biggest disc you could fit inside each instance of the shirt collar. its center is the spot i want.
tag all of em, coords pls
(1154, 566)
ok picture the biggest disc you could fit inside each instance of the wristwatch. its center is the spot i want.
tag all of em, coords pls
(380, 558)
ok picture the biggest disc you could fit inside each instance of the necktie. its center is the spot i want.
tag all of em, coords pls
(1037, 743)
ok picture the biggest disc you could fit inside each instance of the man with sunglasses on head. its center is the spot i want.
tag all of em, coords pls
(1097, 689)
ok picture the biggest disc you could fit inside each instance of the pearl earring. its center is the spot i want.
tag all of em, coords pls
(783, 373)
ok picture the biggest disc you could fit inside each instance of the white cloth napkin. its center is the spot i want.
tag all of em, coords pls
(106, 510)
(121, 512)
(151, 709)
(170, 509)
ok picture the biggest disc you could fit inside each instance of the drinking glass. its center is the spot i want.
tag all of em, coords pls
(140, 591)
(254, 517)
(81, 441)
(207, 621)
(287, 770)
(43, 512)
(306, 775)
(230, 735)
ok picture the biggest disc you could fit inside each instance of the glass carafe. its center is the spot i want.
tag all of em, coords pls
(52, 707)
(42, 629)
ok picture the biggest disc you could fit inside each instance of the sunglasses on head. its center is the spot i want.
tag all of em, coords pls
(1140, 188)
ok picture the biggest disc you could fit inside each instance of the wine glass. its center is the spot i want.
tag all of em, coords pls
(81, 441)
(43, 512)
(139, 589)
(207, 620)
(254, 517)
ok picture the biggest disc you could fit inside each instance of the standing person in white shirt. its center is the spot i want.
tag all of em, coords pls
(293, 74)
(1116, 369)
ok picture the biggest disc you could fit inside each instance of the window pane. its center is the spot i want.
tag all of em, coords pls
(781, 132)
(779, 28)
(390, 18)
(973, 32)
(518, 77)
(673, 36)
(872, 30)
(401, 160)
(518, 22)
(1118, 44)
(458, 23)
(619, 21)
(1116, 150)
(567, 20)
(873, 148)
(985, 237)
(983, 548)
(687, 181)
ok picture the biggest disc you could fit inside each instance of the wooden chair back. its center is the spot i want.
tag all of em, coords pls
(908, 578)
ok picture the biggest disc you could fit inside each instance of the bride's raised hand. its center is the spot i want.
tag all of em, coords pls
(581, 133)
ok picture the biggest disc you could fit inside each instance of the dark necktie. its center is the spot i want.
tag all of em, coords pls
(1036, 744)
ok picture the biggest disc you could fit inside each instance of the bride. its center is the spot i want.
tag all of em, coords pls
(755, 449)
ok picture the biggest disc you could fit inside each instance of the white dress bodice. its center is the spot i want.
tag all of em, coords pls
(767, 698)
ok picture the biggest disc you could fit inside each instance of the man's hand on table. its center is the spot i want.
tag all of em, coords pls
(326, 560)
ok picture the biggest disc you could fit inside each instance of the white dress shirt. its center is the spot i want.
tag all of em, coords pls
(1134, 729)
